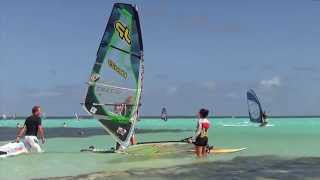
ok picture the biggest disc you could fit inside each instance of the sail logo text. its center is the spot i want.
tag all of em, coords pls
(123, 32)
(117, 69)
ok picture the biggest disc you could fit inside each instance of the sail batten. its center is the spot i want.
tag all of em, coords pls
(122, 50)
(107, 85)
(115, 84)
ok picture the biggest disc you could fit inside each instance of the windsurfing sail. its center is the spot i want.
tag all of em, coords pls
(115, 85)
(254, 107)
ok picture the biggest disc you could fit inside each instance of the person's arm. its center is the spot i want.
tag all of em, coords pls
(198, 131)
(20, 133)
(41, 133)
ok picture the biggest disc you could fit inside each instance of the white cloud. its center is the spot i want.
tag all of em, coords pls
(232, 95)
(172, 90)
(210, 85)
(274, 82)
(46, 94)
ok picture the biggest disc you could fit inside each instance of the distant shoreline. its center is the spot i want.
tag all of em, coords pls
(158, 117)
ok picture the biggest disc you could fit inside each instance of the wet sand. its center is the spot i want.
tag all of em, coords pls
(9, 133)
(248, 168)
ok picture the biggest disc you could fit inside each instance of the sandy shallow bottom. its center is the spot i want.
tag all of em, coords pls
(255, 168)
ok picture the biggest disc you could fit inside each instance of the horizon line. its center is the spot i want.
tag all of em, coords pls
(157, 117)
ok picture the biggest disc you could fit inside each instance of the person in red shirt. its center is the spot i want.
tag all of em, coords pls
(200, 138)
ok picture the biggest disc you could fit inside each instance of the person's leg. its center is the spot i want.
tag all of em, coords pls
(34, 144)
(198, 151)
(133, 140)
(204, 151)
(118, 146)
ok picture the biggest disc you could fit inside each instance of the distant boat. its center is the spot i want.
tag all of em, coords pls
(4, 116)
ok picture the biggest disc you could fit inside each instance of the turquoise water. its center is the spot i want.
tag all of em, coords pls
(287, 138)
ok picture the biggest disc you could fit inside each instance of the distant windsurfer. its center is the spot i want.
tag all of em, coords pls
(264, 119)
(164, 115)
(200, 138)
(30, 129)
(76, 116)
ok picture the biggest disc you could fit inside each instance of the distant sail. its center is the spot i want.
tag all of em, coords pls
(115, 84)
(254, 107)
(164, 115)
(76, 116)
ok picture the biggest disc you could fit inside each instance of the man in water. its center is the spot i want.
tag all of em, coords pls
(30, 129)
(264, 119)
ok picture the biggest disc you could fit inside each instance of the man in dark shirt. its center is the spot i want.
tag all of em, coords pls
(30, 129)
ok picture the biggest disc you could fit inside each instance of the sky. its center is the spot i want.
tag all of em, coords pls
(197, 54)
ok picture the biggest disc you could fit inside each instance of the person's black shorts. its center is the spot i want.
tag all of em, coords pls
(201, 141)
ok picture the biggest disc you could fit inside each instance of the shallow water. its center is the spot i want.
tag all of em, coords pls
(289, 138)
(248, 168)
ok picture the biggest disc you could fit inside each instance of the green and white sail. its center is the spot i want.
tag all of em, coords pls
(115, 84)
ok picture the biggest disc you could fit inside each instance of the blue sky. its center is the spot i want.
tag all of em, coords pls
(196, 54)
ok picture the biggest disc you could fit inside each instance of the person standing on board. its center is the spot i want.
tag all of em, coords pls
(200, 138)
(126, 109)
(264, 119)
(30, 129)
(164, 115)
